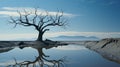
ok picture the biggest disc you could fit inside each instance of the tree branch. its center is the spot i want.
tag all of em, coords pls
(39, 21)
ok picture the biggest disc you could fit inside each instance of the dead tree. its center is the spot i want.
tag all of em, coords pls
(40, 21)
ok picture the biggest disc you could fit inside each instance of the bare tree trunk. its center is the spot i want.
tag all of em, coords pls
(38, 21)
(40, 36)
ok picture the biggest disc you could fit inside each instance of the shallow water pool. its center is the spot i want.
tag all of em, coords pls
(58, 56)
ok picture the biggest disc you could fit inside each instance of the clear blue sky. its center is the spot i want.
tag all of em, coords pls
(89, 15)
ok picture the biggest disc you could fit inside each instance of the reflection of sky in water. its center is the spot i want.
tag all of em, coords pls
(70, 47)
(76, 56)
(18, 54)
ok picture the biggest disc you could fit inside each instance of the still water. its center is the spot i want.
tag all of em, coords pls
(60, 56)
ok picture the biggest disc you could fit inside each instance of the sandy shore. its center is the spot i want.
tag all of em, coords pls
(6, 46)
(108, 48)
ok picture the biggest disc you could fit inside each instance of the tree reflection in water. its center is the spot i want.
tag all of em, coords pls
(41, 60)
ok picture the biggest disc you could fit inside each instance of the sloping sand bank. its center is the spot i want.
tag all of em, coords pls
(108, 48)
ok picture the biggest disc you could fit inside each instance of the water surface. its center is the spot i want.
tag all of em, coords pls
(67, 56)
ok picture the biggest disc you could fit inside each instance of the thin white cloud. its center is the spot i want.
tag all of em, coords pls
(23, 36)
(33, 36)
(8, 13)
(97, 34)
(16, 8)
(12, 11)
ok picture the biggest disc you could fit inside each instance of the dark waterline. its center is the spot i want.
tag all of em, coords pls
(74, 56)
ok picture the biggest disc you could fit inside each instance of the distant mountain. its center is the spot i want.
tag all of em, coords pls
(74, 38)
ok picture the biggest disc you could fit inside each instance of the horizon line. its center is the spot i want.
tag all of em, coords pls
(19, 36)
